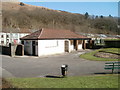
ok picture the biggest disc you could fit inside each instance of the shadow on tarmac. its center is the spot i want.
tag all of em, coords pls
(53, 76)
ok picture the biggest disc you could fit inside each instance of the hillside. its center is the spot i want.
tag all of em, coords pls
(34, 17)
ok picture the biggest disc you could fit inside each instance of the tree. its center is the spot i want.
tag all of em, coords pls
(110, 16)
(105, 24)
(92, 17)
(22, 4)
(96, 17)
(101, 16)
(118, 20)
(86, 15)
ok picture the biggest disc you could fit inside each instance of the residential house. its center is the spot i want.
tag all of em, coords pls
(12, 36)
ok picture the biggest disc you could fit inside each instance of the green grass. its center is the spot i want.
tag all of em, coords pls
(111, 50)
(90, 56)
(103, 81)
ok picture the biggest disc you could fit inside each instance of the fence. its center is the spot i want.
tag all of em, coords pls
(112, 43)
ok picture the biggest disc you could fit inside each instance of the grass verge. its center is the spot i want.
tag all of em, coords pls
(90, 56)
(5, 83)
(103, 81)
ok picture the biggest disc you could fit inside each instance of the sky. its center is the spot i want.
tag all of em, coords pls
(93, 8)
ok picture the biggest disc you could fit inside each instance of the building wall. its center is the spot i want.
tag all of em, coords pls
(21, 35)
(49, 47)
(2, 38)
(72, 45)
(71, 48)
(7, 38)
(80, 43)
(80, 46)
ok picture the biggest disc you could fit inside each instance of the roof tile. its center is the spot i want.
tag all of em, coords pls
(53, 34)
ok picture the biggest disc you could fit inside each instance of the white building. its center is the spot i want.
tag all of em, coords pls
(14, 36)
(49, 41)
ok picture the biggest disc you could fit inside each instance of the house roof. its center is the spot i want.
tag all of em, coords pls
(53, 34)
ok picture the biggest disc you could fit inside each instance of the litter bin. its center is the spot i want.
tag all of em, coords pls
(64, 69)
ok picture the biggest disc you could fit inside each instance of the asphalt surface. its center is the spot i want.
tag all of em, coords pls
(29, 66)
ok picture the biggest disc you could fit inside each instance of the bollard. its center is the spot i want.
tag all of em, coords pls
(64, 69)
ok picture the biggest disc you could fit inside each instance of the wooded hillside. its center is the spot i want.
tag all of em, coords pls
(34, 17)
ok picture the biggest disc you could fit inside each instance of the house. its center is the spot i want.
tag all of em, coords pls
(50, 41)
(12, 36)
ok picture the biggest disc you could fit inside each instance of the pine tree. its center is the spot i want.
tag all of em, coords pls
(86, 15)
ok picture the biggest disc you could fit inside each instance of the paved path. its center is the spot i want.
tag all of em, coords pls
(50, 65)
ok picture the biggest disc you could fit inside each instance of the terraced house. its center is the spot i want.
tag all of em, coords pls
(50, 41)
(12, 36)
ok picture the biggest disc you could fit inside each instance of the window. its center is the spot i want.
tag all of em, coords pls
(2, 42)
(22, 42)
(7, 42)
(2, 36)
(7, 36)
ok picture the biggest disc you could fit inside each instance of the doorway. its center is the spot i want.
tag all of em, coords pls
(19, 50)
(33, 48)
(75, 43)
(66, 46)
